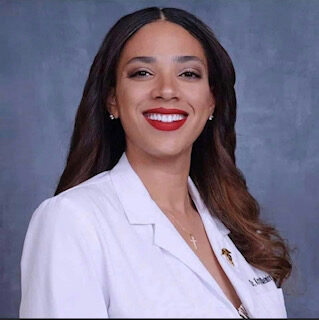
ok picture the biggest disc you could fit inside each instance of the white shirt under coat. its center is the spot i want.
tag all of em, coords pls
(105, 249)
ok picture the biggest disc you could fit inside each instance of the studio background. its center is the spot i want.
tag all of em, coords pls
(47, 48)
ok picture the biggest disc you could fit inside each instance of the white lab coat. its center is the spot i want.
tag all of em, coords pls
(104, 249)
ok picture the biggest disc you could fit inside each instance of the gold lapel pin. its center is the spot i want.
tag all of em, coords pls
(227, 253)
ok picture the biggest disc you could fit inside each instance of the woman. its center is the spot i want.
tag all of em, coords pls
(151, 217)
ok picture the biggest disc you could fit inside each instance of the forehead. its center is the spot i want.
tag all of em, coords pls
(162, 39)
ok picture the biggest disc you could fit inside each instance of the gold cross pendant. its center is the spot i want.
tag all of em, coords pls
(227, 254)
(193, 240)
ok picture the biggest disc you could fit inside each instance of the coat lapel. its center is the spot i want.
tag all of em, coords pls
(140, 208)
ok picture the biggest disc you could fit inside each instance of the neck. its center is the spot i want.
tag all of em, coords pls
(165, 178)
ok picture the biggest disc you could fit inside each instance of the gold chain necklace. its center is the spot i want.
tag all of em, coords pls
(191, 236)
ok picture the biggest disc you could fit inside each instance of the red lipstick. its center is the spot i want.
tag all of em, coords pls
(166, 111)
(165, 126)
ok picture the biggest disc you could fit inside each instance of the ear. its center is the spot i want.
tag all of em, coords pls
(111, 103)
(212, 104)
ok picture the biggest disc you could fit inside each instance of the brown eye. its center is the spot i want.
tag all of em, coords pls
(191, 74)
(139, 74)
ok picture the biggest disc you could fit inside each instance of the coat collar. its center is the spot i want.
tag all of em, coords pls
(138, 205)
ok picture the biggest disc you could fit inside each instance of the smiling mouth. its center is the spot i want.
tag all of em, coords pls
(165, 111)
(166, 118)
(165, 122)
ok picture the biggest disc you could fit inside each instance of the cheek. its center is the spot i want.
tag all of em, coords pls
(130, 97)
(129, 105)
(199, 99)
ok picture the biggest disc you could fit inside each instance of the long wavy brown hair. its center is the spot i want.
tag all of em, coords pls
(97, 143)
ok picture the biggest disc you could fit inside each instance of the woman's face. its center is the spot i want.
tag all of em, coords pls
(150, 76)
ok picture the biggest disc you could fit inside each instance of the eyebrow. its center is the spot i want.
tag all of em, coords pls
(178, 59)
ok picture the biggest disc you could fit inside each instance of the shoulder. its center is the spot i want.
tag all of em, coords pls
(71, 224)
(85, 194)
(78, 206)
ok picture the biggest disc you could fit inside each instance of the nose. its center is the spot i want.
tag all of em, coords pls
(166, 87)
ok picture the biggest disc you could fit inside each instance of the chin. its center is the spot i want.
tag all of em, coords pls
(172, 151)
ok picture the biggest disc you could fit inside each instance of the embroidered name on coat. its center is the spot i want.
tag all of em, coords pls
(257, 281)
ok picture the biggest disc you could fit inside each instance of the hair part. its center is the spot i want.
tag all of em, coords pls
(97, 142)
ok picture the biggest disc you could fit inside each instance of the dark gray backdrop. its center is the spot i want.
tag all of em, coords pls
(47, 48)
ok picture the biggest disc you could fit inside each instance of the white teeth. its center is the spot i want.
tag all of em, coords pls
(165, 117)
